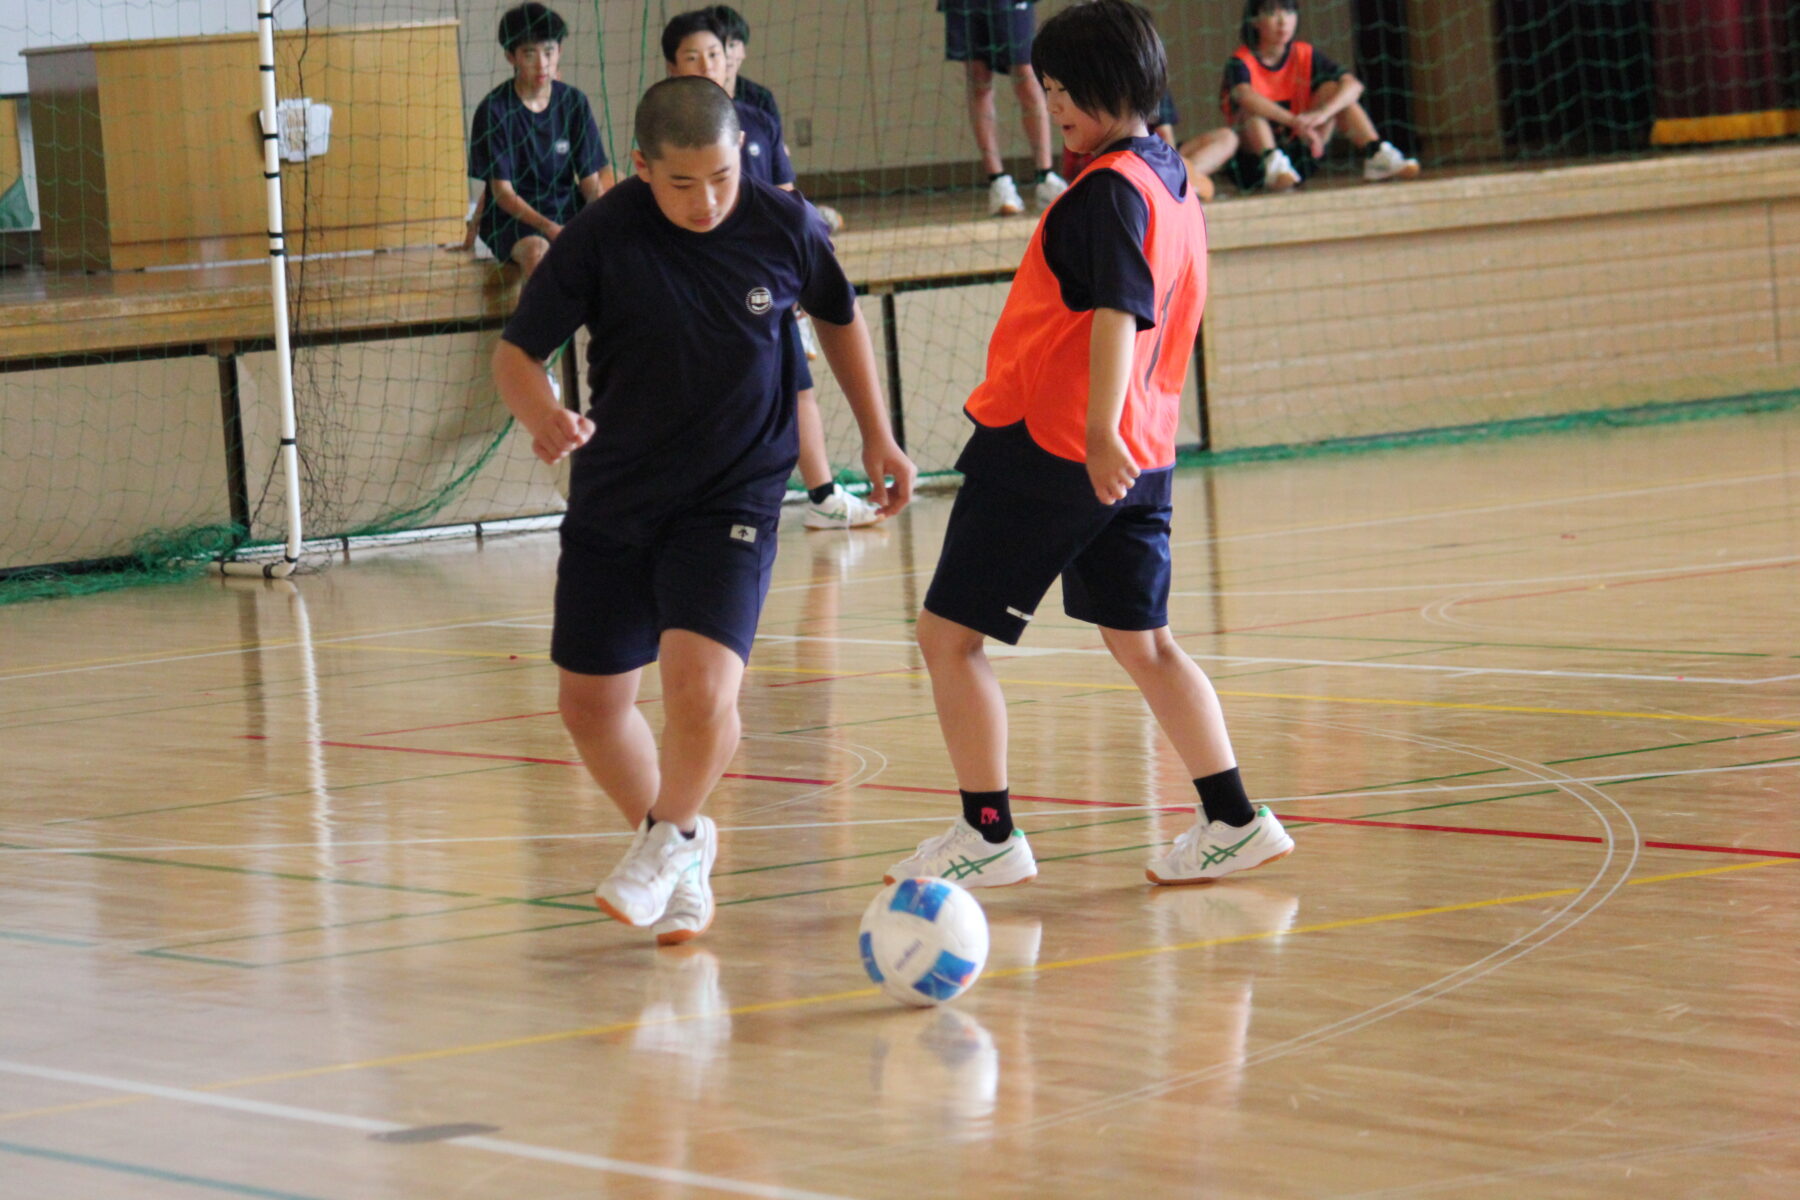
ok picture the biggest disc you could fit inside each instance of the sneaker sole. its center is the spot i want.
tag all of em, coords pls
(1404, 173)
(676, 937)
(1153, 877)
(967, 884)
(811, 528)
(601, 904)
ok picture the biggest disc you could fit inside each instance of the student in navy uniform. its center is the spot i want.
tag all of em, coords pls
(991, 37)
(533, 144)
(683, 276)
(694, 44)
(1068, 471)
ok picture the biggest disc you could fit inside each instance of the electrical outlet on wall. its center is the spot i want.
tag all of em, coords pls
(801, 127)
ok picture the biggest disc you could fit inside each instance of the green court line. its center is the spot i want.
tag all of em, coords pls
(111, 856)
(497, 902)
(43, 939)
(143, 1172)
(1553, 762)
(334, 790)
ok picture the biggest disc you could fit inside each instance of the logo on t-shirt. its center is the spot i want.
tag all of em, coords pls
(743, 533)
(562, 145)
(759, 301)
(753, 149)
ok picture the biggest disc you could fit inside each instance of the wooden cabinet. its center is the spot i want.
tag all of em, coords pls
(149, 152)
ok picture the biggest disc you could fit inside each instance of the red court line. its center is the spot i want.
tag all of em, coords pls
(478, 721)
(1298, 818)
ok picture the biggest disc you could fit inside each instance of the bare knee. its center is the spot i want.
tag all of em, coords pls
(529, 252)
(592, 703)
(943, 641)
(1140, 651)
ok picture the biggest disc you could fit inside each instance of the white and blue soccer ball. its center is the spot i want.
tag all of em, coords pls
(924, 941)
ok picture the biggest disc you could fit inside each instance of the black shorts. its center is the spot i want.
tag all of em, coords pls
(707, 572)
(996, 32)
(1003, 550)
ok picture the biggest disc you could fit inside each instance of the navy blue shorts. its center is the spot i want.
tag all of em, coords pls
(707, 572)
(996, 32)
(803, 376)
(1003, 550)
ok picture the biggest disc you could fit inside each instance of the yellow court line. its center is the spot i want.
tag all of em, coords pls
(542, 1039)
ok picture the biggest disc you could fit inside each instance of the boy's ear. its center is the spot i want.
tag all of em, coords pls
(640, 164)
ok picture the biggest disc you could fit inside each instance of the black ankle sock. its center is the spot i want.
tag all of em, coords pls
(1043, 174)
(990, 813)
(1222, 797)
(996, 175)
(1369, 148)
(822, 493)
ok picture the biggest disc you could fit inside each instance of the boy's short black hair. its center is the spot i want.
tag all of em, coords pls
(1254, 9)
(685, 25)
(731, 21)
(1106, 54)
(529, 24)
(685, 112)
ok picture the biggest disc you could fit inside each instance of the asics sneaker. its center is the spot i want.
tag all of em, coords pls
(690, 909)
(638, 890)
(840, 510)
(1278, 172)
(1212, 851)
(1003, 198)
(1389, 163)
(963, 856)
(1048, 189)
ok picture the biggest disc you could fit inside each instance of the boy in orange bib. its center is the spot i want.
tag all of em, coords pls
(1069, 469)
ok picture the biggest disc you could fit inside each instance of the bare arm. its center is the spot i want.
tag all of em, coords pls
(555, 431)
(514, 205)
(1109, 463)
(1349, 91)
(592, 187)
(1256, 104)
(852, 359)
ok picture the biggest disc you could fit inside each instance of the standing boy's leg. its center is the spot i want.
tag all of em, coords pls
(1034, 114)
(700, 681)
(980, 93)
(1179, 694)
(602, 716)
(971, 709)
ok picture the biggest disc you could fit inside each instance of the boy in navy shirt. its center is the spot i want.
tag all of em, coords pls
(1068, 471)
(694, 44)
(992, 37)
(534, 144)
(683, 276)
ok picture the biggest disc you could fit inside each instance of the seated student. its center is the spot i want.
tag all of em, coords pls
(737, 47)
(989, 37)
(1167, 118)
(694, 44)
(533, 144)
(683, 276)
(1283, 101)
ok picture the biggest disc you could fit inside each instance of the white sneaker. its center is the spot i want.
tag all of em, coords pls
(1278, 172)
(963, 856)
(638, 890)
(1048, 189)
(1003, 198)
(840, 510)
(834, 220)
(690, 910)
(1389, 163)
(1212, 851)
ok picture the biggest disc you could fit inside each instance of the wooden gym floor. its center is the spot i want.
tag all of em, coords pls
(294, 885)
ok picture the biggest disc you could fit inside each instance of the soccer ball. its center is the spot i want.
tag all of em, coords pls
(923, 940)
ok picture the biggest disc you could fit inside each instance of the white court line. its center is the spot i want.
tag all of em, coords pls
(314, 1116)
(1489, 583)
(1547, 502)
(725, 830)
(1259, 659)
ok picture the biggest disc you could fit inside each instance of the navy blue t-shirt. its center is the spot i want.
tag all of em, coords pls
(757, 96)
(693, 390)
(543, 155)
(1094, 245)
(765, 154)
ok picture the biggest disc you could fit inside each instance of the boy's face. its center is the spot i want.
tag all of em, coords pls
(534, 63)
(700, 54)
(1082, 132)
(1276, 25)
(734, 54)
(696, 187)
